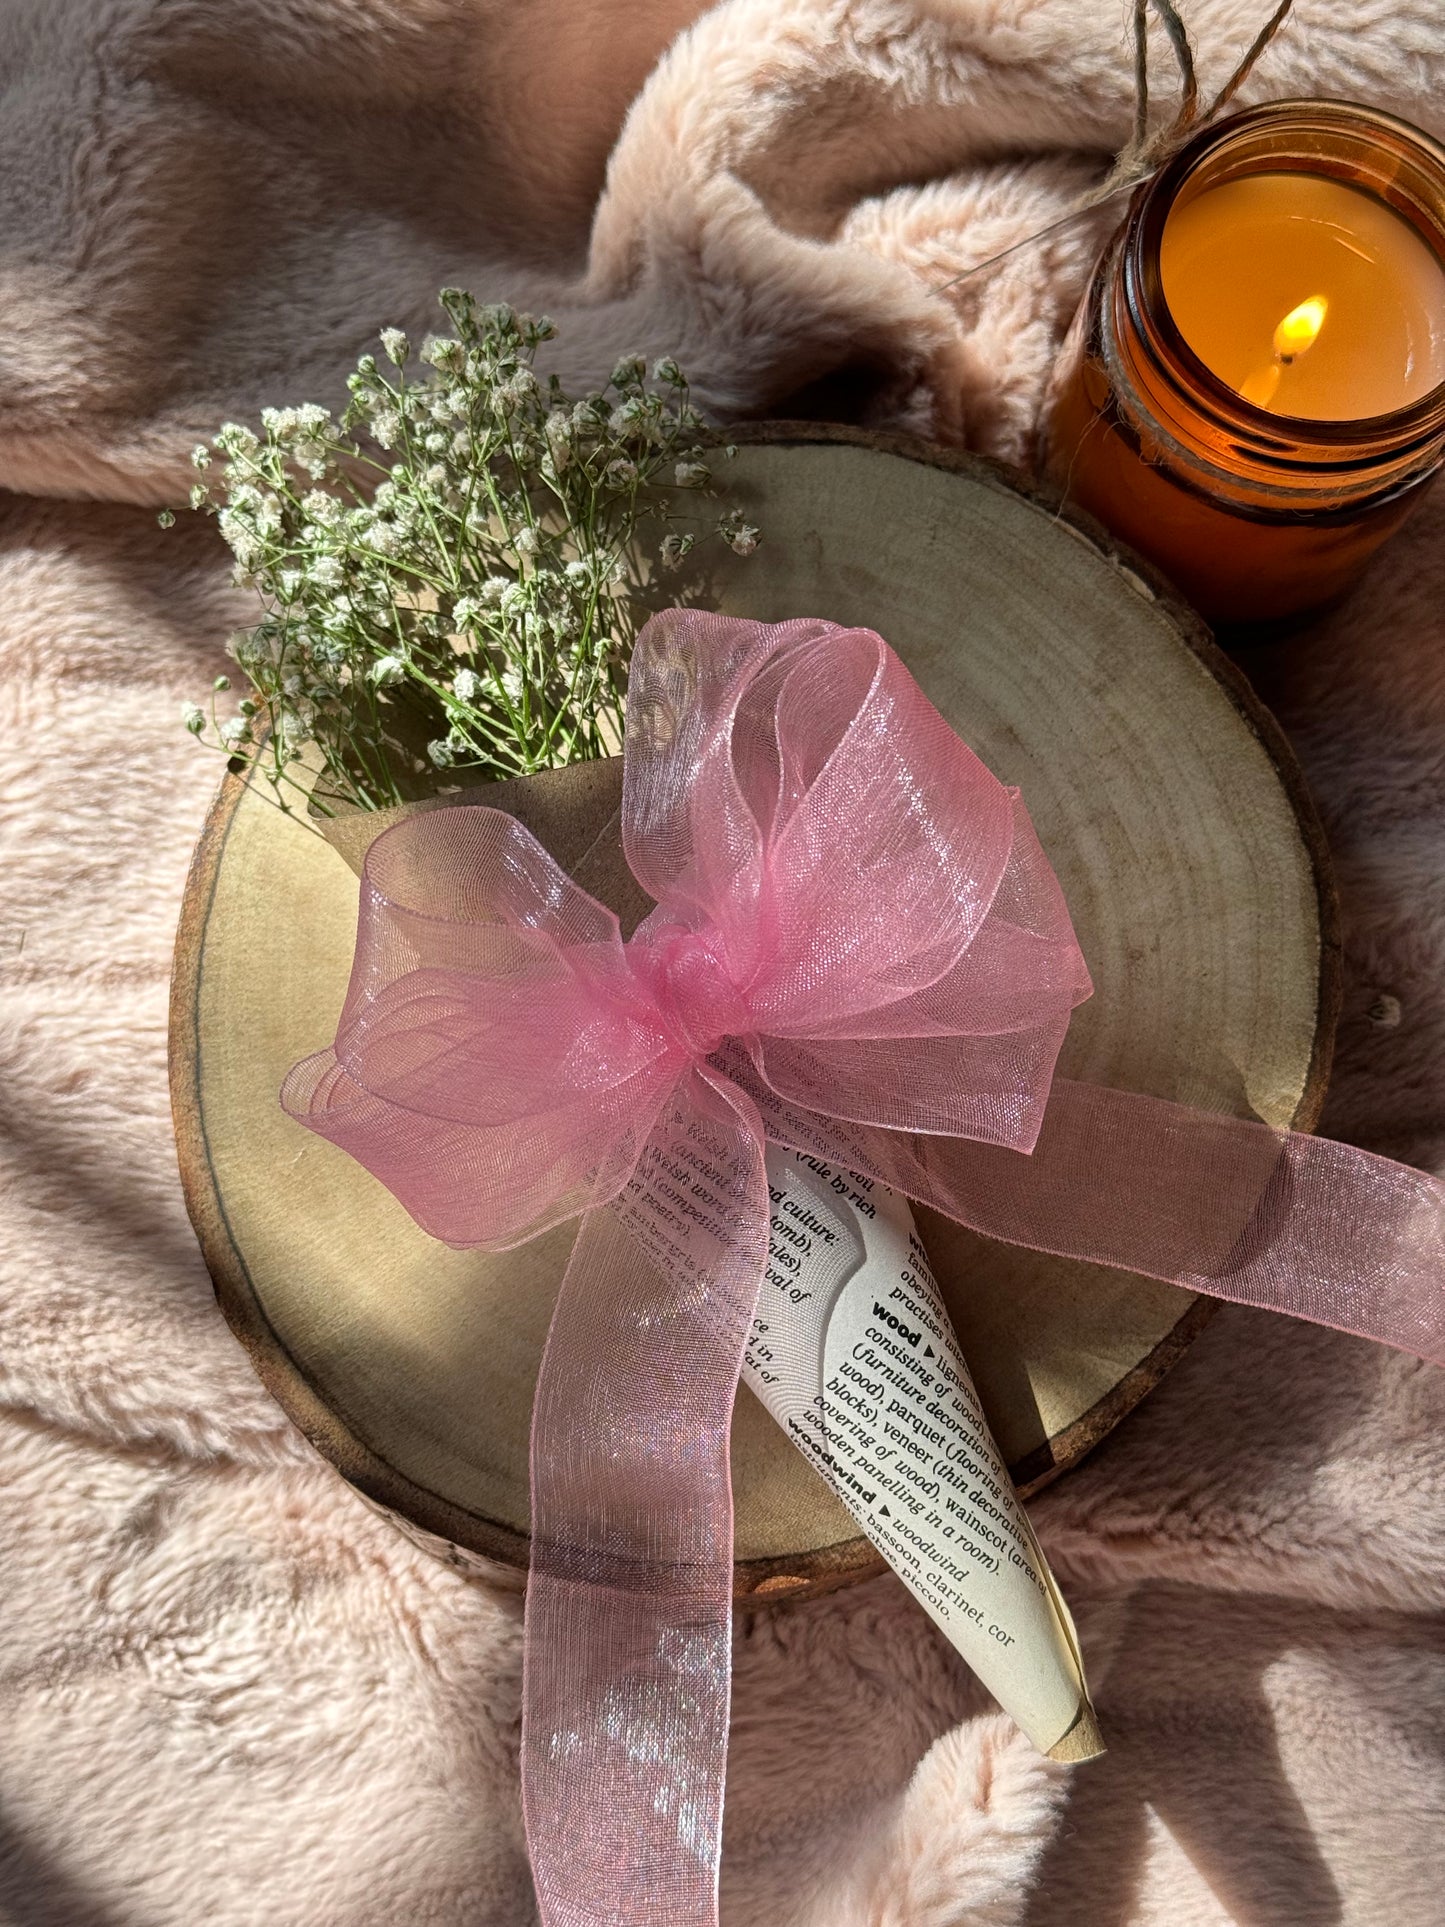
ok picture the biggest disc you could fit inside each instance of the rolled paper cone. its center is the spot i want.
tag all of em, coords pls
(854, 1355)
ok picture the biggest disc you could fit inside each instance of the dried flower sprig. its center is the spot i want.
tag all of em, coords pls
(452, 572)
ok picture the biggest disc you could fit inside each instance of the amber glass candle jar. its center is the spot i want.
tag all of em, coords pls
(1253, 392)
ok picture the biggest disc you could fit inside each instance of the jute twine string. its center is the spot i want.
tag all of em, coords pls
(1145, 153)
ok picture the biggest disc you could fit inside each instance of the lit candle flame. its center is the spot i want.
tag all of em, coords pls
(1300, 328)
(1298, 331)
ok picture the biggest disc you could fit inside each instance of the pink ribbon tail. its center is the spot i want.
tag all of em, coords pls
(1215, 1204)
(629, 1600)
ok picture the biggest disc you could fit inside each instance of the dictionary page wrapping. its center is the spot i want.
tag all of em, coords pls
(854, 1355)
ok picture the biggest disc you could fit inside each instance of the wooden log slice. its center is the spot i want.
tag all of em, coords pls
(1175, 816)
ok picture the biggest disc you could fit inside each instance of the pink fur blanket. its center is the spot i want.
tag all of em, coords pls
(229, 1693)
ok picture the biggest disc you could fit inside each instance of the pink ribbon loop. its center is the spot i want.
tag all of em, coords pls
(858, 948)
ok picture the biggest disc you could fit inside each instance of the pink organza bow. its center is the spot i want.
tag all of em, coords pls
(858, 949)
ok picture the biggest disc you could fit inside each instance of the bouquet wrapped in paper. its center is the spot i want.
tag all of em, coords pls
(851, 990)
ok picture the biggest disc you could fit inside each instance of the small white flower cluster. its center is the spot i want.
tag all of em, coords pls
(453, 570)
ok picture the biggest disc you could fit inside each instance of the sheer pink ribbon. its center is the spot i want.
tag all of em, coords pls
(858, 949)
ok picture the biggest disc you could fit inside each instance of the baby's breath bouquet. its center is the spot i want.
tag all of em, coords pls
(452, 571)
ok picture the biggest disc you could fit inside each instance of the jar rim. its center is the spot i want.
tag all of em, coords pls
(1144, 287)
